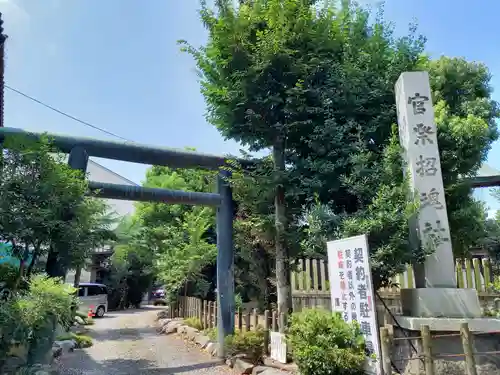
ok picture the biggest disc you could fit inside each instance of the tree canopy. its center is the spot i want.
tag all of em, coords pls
(315, 83)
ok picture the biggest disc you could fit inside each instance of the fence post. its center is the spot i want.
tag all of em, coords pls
(282, 323)
(427, 349)
(467, 343)
(203, 314)
(240, 320)
(210, 315)
(274, 322)
(247, 322)
(386, 351)
(255, 319)
(216, 307)
(266, 332)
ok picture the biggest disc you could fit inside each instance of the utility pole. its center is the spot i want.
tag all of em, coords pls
(3, 38)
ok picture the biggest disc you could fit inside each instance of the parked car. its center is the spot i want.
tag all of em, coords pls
(158, 293)
(93, 297)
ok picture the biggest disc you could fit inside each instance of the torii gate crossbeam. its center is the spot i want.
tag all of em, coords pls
(79, 150)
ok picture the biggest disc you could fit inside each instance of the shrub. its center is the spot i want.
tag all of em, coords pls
(81, 314)
(238, 302)
(211, 333)
(194, 323)
(323, 343)
(30, 317)
(81, 341)
(249, 343)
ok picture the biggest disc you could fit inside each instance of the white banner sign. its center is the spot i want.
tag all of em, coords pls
(352, 291)
(278, 347)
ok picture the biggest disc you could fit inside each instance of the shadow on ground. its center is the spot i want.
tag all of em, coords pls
(122, 334)
(111, 313)
(82, 363)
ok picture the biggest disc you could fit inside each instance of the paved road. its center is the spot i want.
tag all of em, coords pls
(127, 343)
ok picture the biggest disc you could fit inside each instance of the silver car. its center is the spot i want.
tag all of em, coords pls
(93, 297)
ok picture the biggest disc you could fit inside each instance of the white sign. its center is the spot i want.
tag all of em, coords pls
(278, 347)
(418, 137)
(351, 289)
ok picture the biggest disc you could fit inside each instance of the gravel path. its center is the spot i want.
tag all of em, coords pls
(127, 343)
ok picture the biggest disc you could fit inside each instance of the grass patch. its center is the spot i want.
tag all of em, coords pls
(82, 341)
(194, 323)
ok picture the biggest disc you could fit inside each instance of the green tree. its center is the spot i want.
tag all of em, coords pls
(182, 237)
(264, 72)
(36, 186)
(465, 118)
(91, 228)
(315, 84)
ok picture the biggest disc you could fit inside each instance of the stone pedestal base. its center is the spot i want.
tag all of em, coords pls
(407, 348)
(440, 302)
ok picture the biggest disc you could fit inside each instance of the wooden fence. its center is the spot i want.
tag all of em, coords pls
(206, 312)
(310, 284)
(420, 353)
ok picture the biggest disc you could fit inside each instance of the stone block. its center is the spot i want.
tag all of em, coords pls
(408, 335)
(56, 351)
(242, 366)
(66, 345)
(271, 371)
(169, 329)
(440, 303)
(202, 340)
(209, 346)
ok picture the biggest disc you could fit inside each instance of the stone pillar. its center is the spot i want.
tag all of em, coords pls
(417, 134)
(436, 293)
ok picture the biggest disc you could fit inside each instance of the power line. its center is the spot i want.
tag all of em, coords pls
(66, 114)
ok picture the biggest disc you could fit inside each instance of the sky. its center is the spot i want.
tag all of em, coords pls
(116, 64)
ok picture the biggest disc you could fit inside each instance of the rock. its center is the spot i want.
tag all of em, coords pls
(259, 369)
(163, 322)
(79, 320)
(271, 371)
(56, 351)
(11, 364)
(42, 370)
(210, 347)
(191, 333)
(181, 329)
(229, 362)
(215, 349)
(202, 340)
(163, 314)
(242, 366)
(290, 367)
(66, 345)
(168, 329)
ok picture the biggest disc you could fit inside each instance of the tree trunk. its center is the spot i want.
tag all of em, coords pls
(19, 275)
(34, 259)
(284, 291)
(78, 274)
(54, 266)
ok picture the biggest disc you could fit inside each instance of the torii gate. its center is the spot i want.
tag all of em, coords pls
(79, 150)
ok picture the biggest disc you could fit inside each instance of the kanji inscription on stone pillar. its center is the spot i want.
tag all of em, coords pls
(418, 137)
